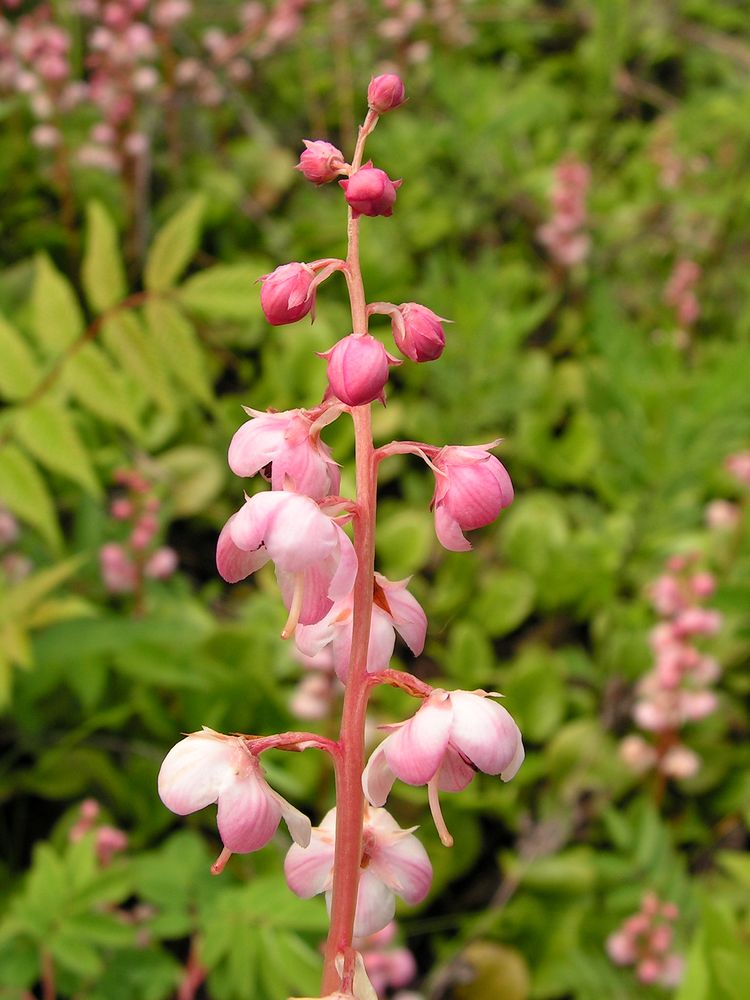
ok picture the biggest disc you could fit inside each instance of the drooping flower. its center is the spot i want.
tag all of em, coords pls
(286, 448)
(471, 488)
(418, 332)
(394, 610)
(453, 735)
(208, 767)
(358, 369)
(320, 162)
(315, 561)
(288, 293)
(394, 863)
(370, 191)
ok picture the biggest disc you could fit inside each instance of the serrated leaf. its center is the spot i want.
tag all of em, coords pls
(19, 371)
(57, 317)
(48, 432)
(225, 291)
(174, 245)
(126, 339)
(24, 492)
(102, 271)
(196, 477)
(178, 345)
(98, 387)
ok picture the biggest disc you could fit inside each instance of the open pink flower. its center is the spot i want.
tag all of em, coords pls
(453, 735)
(208, 767)
(394, 610)
(315, 561)
(471, 488)
(394, 863)
(287, 449)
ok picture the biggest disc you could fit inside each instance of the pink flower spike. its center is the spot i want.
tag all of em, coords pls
(385, 93)
(370, 191)
(286, 448)
(358, 369)
(315, 561)
(208, 767)
(287, 294)
(419, 335)
(320, 162)
(393, 863)
(471, 488)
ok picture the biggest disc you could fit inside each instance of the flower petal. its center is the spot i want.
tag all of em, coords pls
(376, 905)
(298, 824)
(309, 870)
(402, 863)
(448, 530)
(484, 732)
(248, 814)
(194, 772)
(377, 777)
(454, 774)
(233, 563)
(342, 580)
(415, 750)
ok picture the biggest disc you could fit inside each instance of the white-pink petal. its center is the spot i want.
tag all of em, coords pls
(483, 731)
(403, 865)
(376, 905)
(248, 815)
(309, 870)
(194, 772)
(414, 751)
(449, 531)
(235, 564)
(377, 777)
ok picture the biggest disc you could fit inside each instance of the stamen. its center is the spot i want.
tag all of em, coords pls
(434, 799)
(221, 862)
(291, 623)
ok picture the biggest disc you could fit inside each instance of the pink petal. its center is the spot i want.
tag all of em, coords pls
(448, 530)
(309, 870)
(408, 617)
(382, 641)
(415, 750)
(376, 905)
(255, 444)
(233, 563)
(377, 777)
(511, 769)
(484, 732)
(342, 579)
(401, 862)
(298, 824)
(248, 814)
(194, 771)
(455, 774)
(297, 534)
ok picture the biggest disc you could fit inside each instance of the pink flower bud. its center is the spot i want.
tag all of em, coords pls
(285, 294)
(358, 369)
(471, 488)
(162, 563)
(738, 465)
(118, 571)
(680, 762)
(121, 508)
(108, 842)
(637, 753)
(420, 335)
(320, 162)
(703, 584)
(722, 515)
(370, 191)
(385, 93)
(621, 948)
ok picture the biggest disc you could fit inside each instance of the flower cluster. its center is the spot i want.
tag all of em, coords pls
(342, 615)
(125, 565)
(679, 292)
(108, 840)
(645, 941)
(564, 235)
(676, 691)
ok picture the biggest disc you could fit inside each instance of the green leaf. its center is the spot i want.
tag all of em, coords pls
(19, 371)
(97, 386)
(225, 291)
(506, 599)
(178, 345)
(24, 492)
(56, 314)
(196, 477)
(174, 246)
(404, 541)
(126, 339)
(48, 432)
(24, 596)
(102, 271)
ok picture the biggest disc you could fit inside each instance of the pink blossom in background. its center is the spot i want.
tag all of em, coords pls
(722, 515)
(645, 940)
(738, 466)
(679, 292)
(388, 966)
(393, 863)
(564, 234)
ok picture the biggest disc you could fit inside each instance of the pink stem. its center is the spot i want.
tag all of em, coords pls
(350, 762)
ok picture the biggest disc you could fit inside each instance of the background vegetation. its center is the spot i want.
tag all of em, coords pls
(130, 335)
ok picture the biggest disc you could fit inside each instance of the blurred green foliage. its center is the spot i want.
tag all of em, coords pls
(615, 430)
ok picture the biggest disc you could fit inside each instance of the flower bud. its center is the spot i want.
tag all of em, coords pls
(471, 488)
(285, 293)
(421, 336)
(370, 191)
(358, 369)
(385, 93)
(321, 161)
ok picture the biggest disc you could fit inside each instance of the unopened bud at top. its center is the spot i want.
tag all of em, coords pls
(385, 93)
(321, 161)
(286, 295)
(370, 191)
